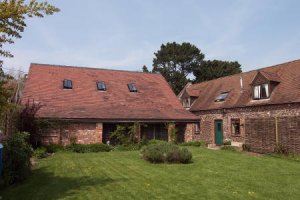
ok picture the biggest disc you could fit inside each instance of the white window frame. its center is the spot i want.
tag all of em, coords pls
(257, 91)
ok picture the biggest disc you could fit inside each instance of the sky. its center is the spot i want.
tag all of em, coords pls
(124, 34)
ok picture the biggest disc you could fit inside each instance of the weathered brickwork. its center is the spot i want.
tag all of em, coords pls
(207, 119)
(86, 133)
(189, 134)
(261, 133)
(89, 133)
(289, 133)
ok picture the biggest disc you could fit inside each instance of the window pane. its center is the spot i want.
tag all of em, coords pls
(67, 84)
(266, 89)
(222, 96)
(235, 126)
(101, 85)
(257, 92)
(197, 127)
(263, 92)
(132, 87)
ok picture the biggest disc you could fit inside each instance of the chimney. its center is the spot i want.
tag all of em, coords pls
(241, 84)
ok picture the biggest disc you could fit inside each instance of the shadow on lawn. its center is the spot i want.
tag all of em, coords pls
(44, 185)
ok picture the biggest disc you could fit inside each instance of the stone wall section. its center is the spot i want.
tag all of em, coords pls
(261, 113)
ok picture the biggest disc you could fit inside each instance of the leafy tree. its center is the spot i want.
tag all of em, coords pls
(176, 61)
(145, 69)
(209, 70)
(13, 14)
(12, 19)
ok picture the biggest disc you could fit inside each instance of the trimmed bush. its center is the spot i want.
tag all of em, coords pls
(168, 153)
(192, 143)
(185, 156)
(16, 158)
(153, 141)
(173, 154)
(200, 143)
(227, 142)
(53, 148)
(246, 147)
(40, 153)
(228, 148)
(130, 147)
(88, 148)
(153, 153)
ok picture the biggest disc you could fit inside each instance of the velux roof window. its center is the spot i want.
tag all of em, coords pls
(132, 87)
(67, 84)
(221, 97)
(101, 86)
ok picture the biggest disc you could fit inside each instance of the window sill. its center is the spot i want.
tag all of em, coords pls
(235, 135)
(256, 100)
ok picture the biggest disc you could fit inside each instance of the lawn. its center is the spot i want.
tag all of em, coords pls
(124, 175)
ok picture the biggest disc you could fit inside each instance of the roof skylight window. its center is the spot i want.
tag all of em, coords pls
(67, 84)
(101, 86)
(221, 97)
(132, 87)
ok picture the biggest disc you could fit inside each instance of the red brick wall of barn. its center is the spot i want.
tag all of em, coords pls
(207, 119)
(86, 133)
(89, 133)
(261, 134)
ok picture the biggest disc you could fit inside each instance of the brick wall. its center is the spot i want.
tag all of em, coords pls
(207, 119)
(189, 133)
(86, 133)
(261, 133)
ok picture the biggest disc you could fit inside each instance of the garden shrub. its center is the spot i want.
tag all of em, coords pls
(53, 148)
(169, 153)
(229, 148)
(192, 143)
(227, 142)
(173, 154)
(73, 140)
(153, 153)
(40, 152)
(125, 134)
(246, 147)
(89, 148)
(153, 141)
(130, 147)
(280, 149)
(185, 156)
(16, 158)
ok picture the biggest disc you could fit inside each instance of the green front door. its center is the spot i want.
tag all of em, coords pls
(218, 132)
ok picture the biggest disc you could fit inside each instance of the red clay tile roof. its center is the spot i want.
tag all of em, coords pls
(154, 100)
(286, 91)
(192, 92)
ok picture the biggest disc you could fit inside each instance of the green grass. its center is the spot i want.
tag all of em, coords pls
(124, 175)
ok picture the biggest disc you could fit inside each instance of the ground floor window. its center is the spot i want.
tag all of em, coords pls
(235, 126)
(196, 128)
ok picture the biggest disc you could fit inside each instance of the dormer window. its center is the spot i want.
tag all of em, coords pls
(67, 84)
(221, 97)
(132, 87)
(261, 91)
(186, 103)
(101, 86)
